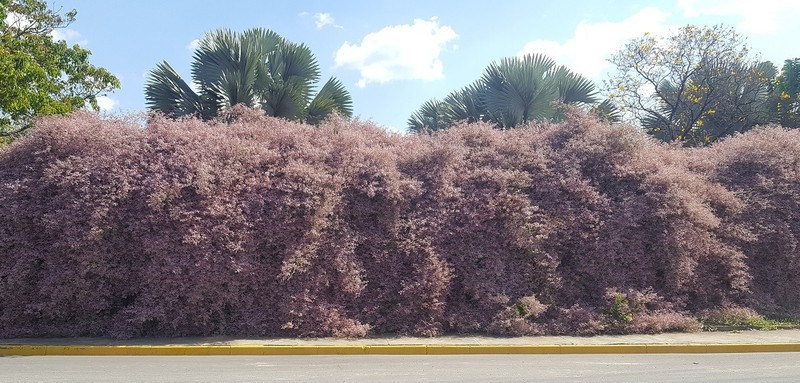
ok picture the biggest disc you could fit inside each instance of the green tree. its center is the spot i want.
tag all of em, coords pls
(510, 93)
(39, 76)
(257, 68)
(787, 92)
(694, 86)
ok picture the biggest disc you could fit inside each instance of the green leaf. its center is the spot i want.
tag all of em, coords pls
(257, 68)
(167, 93)
(332, 97)
(431, 116)
(39, 76)
(509, 93)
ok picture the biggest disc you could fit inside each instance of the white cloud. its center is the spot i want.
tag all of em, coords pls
(324, 19)
(17, 21)
(193, 45)
(588, 50)
(106, 103)
(398, 52)
(68, 35)
(767, 16)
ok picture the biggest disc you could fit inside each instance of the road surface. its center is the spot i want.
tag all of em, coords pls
(760, 367)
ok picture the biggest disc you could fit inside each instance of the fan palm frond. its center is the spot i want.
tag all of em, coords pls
(467, 104)
(167, 93)
(332, 97)
(256, 68)
(574, 88)
(519, 89)
(432, 115)
(510, 93)
(607, 111)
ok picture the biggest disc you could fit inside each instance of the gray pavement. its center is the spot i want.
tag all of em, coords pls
(718, 337)
(687, 367)
(764, 367)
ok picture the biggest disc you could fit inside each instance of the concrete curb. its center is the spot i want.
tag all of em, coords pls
(411, 349)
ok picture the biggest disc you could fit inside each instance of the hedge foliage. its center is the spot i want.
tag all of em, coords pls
(255, 226)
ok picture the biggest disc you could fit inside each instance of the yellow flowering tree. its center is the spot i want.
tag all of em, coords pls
(694, 86)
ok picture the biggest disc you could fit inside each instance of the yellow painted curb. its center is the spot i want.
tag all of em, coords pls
(411, 349)
(22, 350)
(450, 349)
(401, 349)
(604, 349)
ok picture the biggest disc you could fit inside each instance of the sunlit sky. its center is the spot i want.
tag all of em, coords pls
(393, 55)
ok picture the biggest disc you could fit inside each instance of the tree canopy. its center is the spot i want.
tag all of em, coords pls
(694, 86)
(256, 68)
(38, 75)
(787, 92)
(512, 92)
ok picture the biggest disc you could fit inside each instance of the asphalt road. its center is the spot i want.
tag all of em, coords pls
(758, 367)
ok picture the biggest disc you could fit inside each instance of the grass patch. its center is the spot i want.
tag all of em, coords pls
(752, 324)
(742, 318)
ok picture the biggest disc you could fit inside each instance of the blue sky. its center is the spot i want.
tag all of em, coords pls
(394, 55)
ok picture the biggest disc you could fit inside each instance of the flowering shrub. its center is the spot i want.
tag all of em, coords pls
(761, 167)
(635, 311)
(730, 315)
(255, 226)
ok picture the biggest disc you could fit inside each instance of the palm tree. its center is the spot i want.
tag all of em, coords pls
(432, 115)
(512, 92)
(257, 68)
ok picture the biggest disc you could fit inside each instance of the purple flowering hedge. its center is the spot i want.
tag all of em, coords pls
(262, 227)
